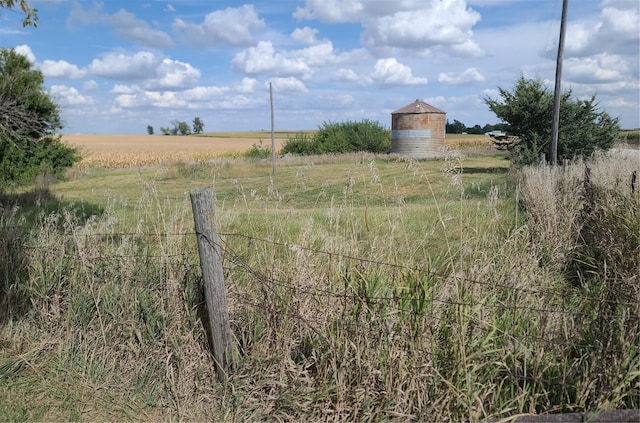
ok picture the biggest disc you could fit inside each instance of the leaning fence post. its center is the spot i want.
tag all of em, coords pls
(206, 226)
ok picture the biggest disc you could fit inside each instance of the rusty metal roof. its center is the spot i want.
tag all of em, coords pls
(418, 106)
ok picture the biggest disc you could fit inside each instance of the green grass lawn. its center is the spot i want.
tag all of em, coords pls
(249, 196)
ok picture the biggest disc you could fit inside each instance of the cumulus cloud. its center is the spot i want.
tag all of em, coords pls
(288, 85)
(61, 69)
(246, 86)
(204, 93)
(124, 89)
(90, 85)
(125, 25)
(155, 73)
(597, 68)
(143, 99)
(469, 76)
(232, 96)
(305, 35)
(615, 31)
(173, 75)
(264, 59)
(349, 76)
(330, 10)
(25, 50)
(69, 96)
(390, 72)
(139, 65)
(302, 63)
(230, 26)
(434, 24)
(390, 25)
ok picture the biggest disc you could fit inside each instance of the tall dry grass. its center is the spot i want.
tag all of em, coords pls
(347, 316)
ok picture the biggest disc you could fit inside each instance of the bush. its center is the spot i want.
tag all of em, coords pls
(302, 144)
(258, 152)
(22, 164)
(584, 129)
(342, 137)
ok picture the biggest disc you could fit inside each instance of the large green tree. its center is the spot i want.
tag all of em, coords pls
(528, 109)
(29, 121)
(198, 125)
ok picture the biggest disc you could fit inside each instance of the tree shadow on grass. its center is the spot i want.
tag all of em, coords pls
(19, 216)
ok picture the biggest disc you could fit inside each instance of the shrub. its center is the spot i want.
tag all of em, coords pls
(258, 151)
(22, 164)
(342, 137)
(302, 144)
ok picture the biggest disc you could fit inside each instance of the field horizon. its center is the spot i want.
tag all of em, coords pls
(124, 150)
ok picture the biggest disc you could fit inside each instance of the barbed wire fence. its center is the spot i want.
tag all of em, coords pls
(325, 292)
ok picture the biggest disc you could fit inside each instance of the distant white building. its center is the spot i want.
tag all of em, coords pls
(496, 133)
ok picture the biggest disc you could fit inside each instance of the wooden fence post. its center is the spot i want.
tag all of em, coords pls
(206, 226)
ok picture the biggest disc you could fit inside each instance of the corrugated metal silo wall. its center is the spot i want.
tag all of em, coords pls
(418, 135)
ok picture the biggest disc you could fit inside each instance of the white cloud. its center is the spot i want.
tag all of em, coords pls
(204, 94)
(169, 8)
(302, 63)
(156, 73)
(433, 24)
(25, 50)
(615, 31)
(90, 85)
(264, 59)
(140, 65)
(246, 86)
(416, 25)
(469, 76)
(348, 75)
(173, 75)
(124, 89)
(318, 55)
(125, 24)
(305, 35)
(61, 69)
(390, 72)
(144, 99)
(233, 96)
(597, 68)
(231, 26)
(69, 96)
(330, 10)
(288, 85)
(353, 10)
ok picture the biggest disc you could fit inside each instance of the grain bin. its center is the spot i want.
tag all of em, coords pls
(417, 130)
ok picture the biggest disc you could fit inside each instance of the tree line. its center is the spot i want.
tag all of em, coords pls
(179, 128)
(457, 127)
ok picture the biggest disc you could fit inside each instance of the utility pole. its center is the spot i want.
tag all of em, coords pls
(273, 139)
(557, 91)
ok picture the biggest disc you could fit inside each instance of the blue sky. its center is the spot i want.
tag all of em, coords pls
(117, 66)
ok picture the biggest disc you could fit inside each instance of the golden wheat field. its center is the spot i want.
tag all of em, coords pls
(117, 151)
(113, 151)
